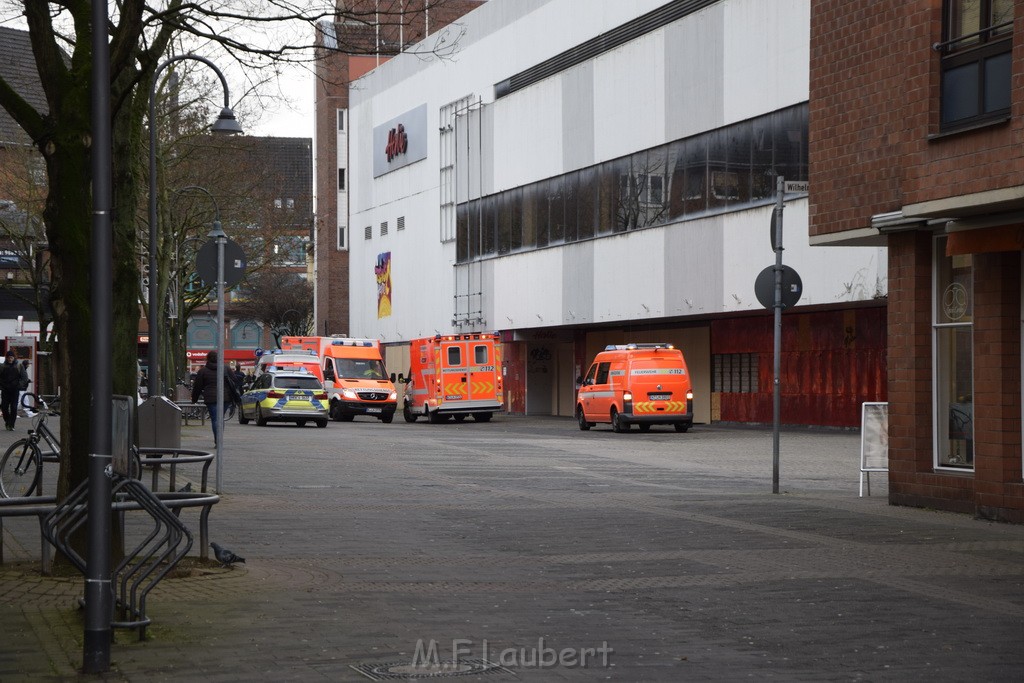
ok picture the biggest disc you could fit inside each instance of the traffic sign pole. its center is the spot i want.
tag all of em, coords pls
(777, 389)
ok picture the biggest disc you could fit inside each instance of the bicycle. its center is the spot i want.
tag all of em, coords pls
(21, 468)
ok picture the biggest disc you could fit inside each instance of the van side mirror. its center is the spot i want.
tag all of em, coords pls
(401, 378)
(393, 378)
(579, 381)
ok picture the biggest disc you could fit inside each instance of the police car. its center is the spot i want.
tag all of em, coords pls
(297, 397)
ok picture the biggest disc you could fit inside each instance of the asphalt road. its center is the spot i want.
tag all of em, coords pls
(555, 554)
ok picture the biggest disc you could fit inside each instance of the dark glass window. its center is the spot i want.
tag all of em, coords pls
(473, 228)
(737, 160)
(613, 179)
(762, 165)
(505, 222)
(454, 356)
(721, 170)
(515, 209)
(570, 190)
(586, 204)
(695, 176)
(487, 225)
(480, 355)
(461, 232)
(977, 40)
(530, 216)
(556, 210)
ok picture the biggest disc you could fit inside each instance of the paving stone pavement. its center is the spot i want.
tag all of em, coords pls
(534, 547)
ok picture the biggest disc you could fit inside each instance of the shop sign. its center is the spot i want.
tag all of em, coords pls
(400, 141)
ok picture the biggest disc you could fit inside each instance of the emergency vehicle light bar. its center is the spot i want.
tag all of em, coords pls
(630, 347)
(460, 337)
(351, 342)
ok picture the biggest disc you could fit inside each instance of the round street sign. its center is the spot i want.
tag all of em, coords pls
(764, 287)
(234, 263)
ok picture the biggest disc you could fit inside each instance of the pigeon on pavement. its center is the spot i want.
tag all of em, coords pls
(187, 488)
(225, 556)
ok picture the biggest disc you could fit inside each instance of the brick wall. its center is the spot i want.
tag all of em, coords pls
(876, 147)
(874, 116)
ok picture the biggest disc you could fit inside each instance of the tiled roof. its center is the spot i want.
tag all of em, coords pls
(18, 68)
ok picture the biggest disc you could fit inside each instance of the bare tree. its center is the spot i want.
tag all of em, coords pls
(141, 34)
(281, 300)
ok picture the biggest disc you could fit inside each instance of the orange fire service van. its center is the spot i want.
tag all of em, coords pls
(356, 380)
(646, 384)
(454, 376)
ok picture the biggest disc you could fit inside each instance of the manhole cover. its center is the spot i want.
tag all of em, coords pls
(406, 671)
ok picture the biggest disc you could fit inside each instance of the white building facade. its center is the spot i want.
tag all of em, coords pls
(572, 174)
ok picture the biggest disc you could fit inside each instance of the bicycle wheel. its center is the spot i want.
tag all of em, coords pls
(19, 469)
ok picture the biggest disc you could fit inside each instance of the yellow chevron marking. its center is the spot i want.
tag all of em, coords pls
(483, 388)
(455, 388)
(652, 407)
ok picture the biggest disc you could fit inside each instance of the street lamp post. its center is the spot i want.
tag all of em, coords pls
(225, 123)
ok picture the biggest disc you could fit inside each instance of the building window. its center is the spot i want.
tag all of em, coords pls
(290, 250)
(278, 203)
(729, 169)
(341, 180)
(289, 203)
(342, 238)
(341, 119)
(401, 223)
(480, 355)
(953, 367)
(383, 228)
(734, 373)
(976, 62)
(368, 232)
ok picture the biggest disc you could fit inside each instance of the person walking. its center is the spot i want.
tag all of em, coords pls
(23, 385)
(239, 378)
(205, 387)
(10, 386)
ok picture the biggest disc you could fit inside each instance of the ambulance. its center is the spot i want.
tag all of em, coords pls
(642, 384)
(356, 380)
(304, 344)
(282, 360)
(454, 376)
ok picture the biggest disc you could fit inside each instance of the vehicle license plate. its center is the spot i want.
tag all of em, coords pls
(660, 397)
(373, 410)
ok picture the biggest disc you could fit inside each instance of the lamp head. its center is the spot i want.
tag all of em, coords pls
(226, 123)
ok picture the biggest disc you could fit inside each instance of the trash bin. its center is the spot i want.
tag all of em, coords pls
(159, 423)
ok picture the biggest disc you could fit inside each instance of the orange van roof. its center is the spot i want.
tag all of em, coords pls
(352, 352)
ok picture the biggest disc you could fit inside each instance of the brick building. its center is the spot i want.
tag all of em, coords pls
(915, 143)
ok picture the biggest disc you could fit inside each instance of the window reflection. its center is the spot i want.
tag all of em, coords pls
(954, 355)
(722, 170)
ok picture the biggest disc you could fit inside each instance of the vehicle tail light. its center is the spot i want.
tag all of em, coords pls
(275, 393)
(689, 395)
(627, 396)
(322, 395)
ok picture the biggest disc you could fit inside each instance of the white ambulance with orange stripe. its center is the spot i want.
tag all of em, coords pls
(454, 376)
(643, 384)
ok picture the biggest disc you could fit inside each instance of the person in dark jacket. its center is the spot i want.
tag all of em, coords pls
(204, 389)
(10, 387)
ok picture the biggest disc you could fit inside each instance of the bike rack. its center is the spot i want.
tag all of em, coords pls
(145, 565)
